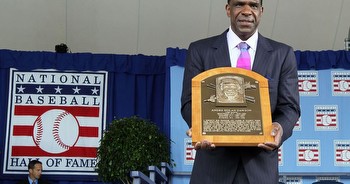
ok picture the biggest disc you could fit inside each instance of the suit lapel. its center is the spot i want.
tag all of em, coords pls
(262, 55)
(221, 55)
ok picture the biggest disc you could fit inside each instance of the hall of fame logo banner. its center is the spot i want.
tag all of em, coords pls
(280, 156)
(297, 126)
(294, 180)
(326, 118)
(325, 179)
(341, 83)
(57, 118)
(308, 83)
(308, 153)
(342, 153)
(190, 152)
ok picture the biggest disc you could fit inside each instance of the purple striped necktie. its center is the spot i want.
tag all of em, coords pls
(244, 58)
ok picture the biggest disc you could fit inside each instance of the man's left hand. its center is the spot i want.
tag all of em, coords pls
(277, 132)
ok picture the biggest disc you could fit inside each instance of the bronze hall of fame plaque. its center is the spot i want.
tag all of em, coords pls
(231, 107)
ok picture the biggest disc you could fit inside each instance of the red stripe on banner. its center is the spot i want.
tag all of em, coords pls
(310, 80)
(304, 149)
(341, 160)
(23, 130)
(329, 125)
(311, 90)
(340, 150)
(338, 90)
(311, 160)
(338, 80)
(36, 151)
(88, 131)
(320, 115)
(27, 110)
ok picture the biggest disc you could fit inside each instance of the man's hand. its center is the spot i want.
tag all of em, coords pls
(277, 132)
(189, 132)
(200, 145)
(204, 145)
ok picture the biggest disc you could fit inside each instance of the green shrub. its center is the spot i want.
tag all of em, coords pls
(130, 144)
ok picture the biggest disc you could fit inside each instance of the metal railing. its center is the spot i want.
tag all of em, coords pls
(156, 175)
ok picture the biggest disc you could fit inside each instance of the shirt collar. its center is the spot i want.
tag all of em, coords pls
(233, 40)
(31, 181)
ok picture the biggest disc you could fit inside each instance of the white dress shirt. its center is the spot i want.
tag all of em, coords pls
(233, 40)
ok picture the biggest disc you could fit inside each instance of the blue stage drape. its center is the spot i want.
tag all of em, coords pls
(135, 85)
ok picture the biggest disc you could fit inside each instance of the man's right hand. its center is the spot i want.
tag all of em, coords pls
(200, 145)
(189, 132)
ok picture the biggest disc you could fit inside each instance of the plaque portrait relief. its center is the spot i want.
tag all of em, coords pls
(229, 89)
(230, 107)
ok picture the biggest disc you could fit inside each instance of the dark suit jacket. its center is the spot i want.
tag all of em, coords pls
(276, 61)
(40, 181)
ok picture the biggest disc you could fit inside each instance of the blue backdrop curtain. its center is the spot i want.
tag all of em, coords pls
(135, 86)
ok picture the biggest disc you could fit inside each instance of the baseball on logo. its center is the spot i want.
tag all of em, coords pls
(345, 155)
(326, 120)
(343, 85)
(56, 131)
(306, 85)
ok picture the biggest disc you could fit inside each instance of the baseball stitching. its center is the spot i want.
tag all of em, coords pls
(55, 130)
(39, 133)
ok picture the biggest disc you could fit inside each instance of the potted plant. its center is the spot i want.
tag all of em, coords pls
(130, 144)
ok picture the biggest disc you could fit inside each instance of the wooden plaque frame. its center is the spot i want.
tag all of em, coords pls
(213, 117)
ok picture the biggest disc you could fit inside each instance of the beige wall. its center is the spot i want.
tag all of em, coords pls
(150, 26)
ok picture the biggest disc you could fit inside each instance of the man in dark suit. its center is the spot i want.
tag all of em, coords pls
(34, 177)
(273, 60)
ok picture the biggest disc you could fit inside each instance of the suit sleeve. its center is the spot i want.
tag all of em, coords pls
(287, 110)
(193, 66)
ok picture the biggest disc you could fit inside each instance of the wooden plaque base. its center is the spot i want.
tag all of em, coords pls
(231, 107)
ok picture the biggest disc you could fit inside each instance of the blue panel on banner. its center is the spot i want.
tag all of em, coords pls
(181, 149)
(321, 143)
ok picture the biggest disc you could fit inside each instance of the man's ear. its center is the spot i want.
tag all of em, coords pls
(228, 10)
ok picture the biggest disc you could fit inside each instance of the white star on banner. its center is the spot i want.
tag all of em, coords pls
(21, 89)
(94, 91)
(58, 89)
(39, 89)
(76, 90)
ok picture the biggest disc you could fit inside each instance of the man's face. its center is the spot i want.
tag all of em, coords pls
(230, 89)
(35, 173)
(245, 16)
